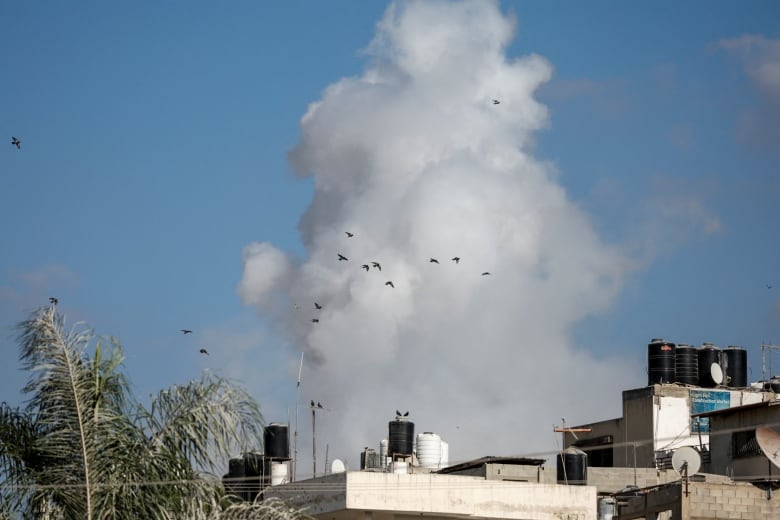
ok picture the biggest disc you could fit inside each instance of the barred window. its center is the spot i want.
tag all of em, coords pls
(744, 444)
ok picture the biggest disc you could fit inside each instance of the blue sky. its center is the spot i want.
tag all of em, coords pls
(155, 143)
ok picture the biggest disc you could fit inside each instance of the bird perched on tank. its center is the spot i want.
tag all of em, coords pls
(311, 403)
(319, 405)
(53, 300)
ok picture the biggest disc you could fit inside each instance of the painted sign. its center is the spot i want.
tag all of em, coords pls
(707, 401)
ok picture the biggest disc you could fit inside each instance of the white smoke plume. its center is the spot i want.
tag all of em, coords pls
(416, 159)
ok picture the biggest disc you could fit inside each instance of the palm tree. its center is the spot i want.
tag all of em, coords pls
(83, 447)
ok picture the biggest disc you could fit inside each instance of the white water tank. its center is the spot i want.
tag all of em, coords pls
(429, 450)
(384, 459)
(445, 454)
(278, 473)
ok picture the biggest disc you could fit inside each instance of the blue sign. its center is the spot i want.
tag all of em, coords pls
(707, 401)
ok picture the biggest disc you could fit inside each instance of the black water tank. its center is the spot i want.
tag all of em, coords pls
(660, 362)
(708, 354)
(369, 459)
(572, 467)
(736, 366)
(276, 440)
(258, 475)
(234, 481)
(686, 365)
(401, 437)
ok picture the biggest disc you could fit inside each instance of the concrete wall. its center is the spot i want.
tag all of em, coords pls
(737, 501)
(519, 473)
(388, 496)
(612, 480)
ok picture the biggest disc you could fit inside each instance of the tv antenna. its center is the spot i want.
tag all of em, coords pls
(686, 462)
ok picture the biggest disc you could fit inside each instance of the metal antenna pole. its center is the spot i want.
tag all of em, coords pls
(313, 441)
(297, 389)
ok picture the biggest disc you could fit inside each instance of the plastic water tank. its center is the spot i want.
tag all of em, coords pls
(686, 365)
(429, 450)
(401, 436)
(572, 467)
(660, 362)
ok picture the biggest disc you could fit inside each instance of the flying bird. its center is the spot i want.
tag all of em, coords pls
(16, 142)
(496, 102)
(456, 259)
(204, 351)
(342, 257)
(376, 264)
(390, 284)
(317, 305)
(53, 300)
(768, 286)
(315, 320)
(185, 331)
(485, 273)
(349, 235)
(433, 261)
(365, 266)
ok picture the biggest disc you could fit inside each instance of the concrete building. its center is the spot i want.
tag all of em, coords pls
(657, 420)
(368, 495)
(734, 450)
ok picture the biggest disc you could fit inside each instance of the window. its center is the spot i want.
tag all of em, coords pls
(744, 444)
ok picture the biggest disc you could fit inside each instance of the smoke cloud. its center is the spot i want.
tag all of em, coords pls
(416, 159)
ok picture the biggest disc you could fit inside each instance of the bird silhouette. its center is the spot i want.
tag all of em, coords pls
(319, 405)
(317, 305)
(397, 413)
(496, 102)
(16, 142)
(349, 235)
(768, 286)
(185, 331)
(311, 403)
(53, 300)
(376, 264)
(433, 261)
(315, 320)
(342, 257)
(456, 259)
(204, 351)
(365, 266)
(390, 284)
(485, 273)
(406, 414)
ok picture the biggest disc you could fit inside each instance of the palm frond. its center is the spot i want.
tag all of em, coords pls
(207, 420)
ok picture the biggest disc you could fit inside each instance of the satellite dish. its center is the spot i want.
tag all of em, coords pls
(716, 373)
(769, 442)
(686, 461)
(337, 466)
